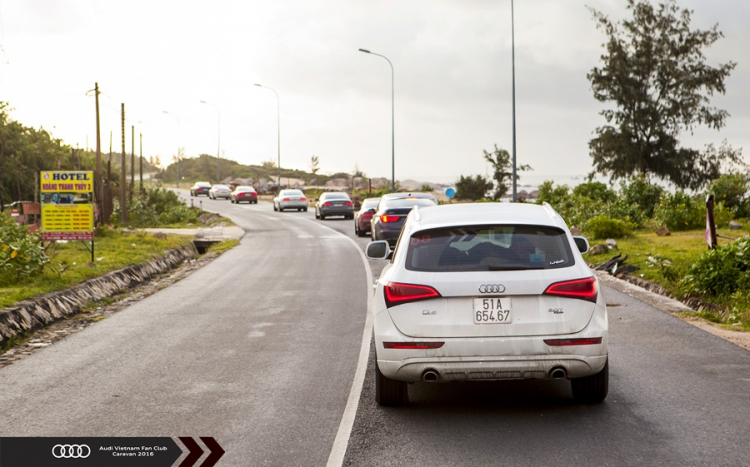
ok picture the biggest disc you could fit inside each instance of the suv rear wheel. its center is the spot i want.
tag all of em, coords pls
(389, 391)
(591, 389)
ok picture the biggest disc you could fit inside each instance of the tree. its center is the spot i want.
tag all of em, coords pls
(472, 188)
(314, 164)
(503, 166)
(654, 71)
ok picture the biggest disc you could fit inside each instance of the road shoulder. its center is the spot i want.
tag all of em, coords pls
(674, 307)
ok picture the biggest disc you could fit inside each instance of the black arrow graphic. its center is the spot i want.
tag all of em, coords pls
(216, 451)
(195, 452)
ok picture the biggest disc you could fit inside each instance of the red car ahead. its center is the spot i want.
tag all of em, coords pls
(363, 217)
(244, 193)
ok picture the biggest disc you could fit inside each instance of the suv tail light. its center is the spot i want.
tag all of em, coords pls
(398, 294)
(584, 289)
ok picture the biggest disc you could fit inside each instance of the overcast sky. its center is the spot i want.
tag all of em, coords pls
(452, 62)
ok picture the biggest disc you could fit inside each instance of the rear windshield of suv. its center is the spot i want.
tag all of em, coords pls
(489, 248)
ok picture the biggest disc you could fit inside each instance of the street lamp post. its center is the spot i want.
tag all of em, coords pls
(393, 124)
(178, 146)
(278, 133)
(218, 150)
(513, 59)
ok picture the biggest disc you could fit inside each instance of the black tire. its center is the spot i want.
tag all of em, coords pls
(281, 209)
(591, 389)
(305, 209)
(274, 206)
(322, 216)
(389, 392)
(356, 230)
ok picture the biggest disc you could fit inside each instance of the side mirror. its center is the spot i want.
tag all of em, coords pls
(316, 200)
(378, 250)
(371, 211)
(582, 244)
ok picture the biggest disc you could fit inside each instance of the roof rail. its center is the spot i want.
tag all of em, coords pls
(547, 207)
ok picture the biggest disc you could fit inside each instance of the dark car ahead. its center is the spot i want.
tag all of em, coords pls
(334, 204)
(392, 211)
(363, 217)
(200, 188)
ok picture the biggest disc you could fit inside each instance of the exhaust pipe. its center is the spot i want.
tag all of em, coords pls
(558, 373)
(430, 376)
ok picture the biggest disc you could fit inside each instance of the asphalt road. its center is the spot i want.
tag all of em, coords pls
(259, 350)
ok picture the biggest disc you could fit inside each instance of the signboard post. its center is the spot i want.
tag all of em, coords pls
(68, 206)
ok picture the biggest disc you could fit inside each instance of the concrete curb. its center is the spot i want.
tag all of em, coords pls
(40, 311)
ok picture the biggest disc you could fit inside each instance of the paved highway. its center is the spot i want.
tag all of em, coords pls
(260, 348)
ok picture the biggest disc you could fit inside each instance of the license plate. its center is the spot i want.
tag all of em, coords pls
(492, 311)
(338, 204)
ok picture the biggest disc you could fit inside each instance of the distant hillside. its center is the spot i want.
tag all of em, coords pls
(203, 168)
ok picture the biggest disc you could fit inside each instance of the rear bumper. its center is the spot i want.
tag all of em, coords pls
(337, 212)
(483, 358)
(293, 205)
(390, 235)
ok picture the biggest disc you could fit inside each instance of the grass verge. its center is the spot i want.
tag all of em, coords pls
(666, 261)
(71, 262)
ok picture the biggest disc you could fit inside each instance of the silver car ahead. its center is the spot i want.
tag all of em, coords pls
(220, 191)
(290, 199)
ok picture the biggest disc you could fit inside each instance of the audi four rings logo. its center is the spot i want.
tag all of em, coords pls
(71, 451)
(491, 288)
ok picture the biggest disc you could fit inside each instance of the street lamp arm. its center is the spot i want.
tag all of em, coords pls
(393, 120)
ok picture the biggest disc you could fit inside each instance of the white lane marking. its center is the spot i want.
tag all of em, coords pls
(338, 450)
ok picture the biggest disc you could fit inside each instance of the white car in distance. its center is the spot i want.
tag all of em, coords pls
(491, 291)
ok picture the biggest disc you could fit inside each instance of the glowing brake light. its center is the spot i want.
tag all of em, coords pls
(584, 289)
(398, 294)
(385, 218)
(366, 214)
(327, 204)
(349, 203)
(303, 199)
(286, 199)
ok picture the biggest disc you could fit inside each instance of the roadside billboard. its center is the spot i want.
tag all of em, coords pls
(67, 205)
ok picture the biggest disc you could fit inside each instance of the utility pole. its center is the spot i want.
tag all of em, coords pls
(109, 159)
(140, 164)
(132, 162)
(123, 176)
(98, 192)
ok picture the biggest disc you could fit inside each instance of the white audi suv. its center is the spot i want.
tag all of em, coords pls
(489, 291)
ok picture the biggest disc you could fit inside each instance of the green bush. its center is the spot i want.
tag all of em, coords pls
(679, 211)
(729, 189)
(636, 200)
(603, 226)
(21, 253)
(595, 191)
(155, 207)
(720, 272)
